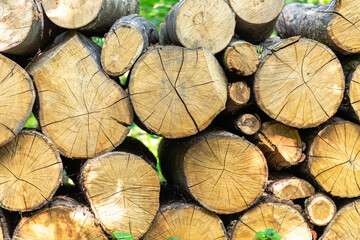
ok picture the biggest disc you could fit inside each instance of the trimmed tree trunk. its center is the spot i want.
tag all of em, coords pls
(255, 20)
(63, 219)
(185, 222)
(353, 93)
(83, 111)
(320, 209)
(333, 24)
(247, 123)
(238, 96)
(302, 95)
(193, 23)
(281, 145)
(17, 97)
(123, 192)
(96, 15)
(177, 92)
(222, 171)
(4, 230)
(30, 170)
(126, 40)
(285, 219)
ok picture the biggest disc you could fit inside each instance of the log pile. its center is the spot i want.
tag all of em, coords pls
(258, 132)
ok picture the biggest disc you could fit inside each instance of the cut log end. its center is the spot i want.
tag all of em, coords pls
(320, 209)
(290, 188)
(248, 124)
(238, 96)
(354, 91)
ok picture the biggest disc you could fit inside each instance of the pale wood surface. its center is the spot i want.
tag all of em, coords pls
(238, 96)
(247, 123)
(320, 209)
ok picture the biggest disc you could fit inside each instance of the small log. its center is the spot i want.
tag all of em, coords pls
(4, 230)
(302, 95)
(285, 219)
(30, 170)
(345, 224)
(64, 218)
(320, 209)
(241, 57)
(333, 24)
(126, 40)
(177, 92)
(193, 24)
(95, 16)
(185, 222)
(222, 171)
(255, 20)
(83, 111)
(281, 145)
(247, 123)
(17, 97)
(123, 192)
(238, 96)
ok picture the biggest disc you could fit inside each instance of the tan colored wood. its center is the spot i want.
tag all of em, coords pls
(123, 192)
(30, 170)
(285, 219)
(89, 15)
(194, 23)
(247, 123)
(83, 111)
(320, 209)
(238, 96)
(177, 92)
(126, 40)
(186, 222)
(281, 145)
(63, 219)
(333, 159)
(302, 95)
(255, 20)
(222, 171)
(353, 92)
(17, 97)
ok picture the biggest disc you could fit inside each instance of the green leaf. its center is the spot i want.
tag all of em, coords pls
(272, 234)
(32, 122)
(123, 236)
(173, 238)
(260, 235)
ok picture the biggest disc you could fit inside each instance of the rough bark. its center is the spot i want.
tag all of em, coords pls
(193, 23)
(4, 230)
(222, 171)
(177, 92)
(238, 96)
(83, 111)
(126, 40)
(320, 209)
(333, 24)
(247, 123)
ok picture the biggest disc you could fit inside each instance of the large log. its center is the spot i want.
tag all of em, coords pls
(334, 24)
(63, 219)
(222, 171)
(302, 95)
(185, 222)
(17, 97)
(88, 15)
(123, 192)
(126, 40)
(320, 209)
(177, 92)
(193, 23)
(83, 111)
(353, 93)
(30, 170)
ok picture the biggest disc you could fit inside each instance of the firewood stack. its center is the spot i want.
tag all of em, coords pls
(259, 131)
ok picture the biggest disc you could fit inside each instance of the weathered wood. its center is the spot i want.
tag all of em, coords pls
(126, 40)
(94, 15)
(333, 24)
(193, 24)
(83, 111)
(255, 20)
(123, 192)
(63, 219)
(222, 171)
(30, 170)
(238, 96)
(320, 209)
(247, 123)
(353, 93)
(177, 92)
(185, 222)
(302, 95)
(17, 97)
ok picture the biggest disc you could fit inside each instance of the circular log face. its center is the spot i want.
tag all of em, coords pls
(123, 191)
(320, 209)
(344, 27)
(354, 91)
(30, 170)
(177, 92)
(17, 96)
(225, 173)
(334, 159)
(257, 11)
(301, 95)
(241, 57)
(185, 222)
(283, 218)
